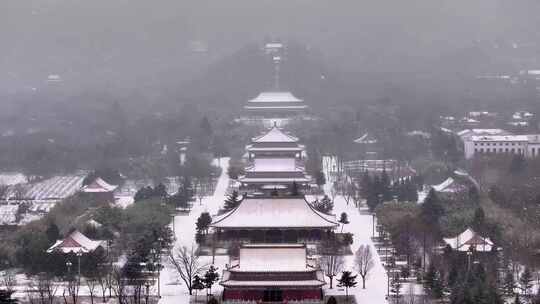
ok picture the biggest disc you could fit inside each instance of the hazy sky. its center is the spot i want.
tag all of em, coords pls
(120, 40)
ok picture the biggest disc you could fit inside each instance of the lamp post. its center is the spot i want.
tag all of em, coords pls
(173, 229)
(109, 274)
(469, 254)
(68, 265)
(373, 222)
(79, 254)
(147, 285)
(157, 266)
(144, 276)
(388, 284)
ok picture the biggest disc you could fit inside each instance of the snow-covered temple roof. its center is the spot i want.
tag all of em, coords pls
(467, 239)
(275, 135)
(449, 186)
(276, 257)
(366, 139)
(75, 242)
(282, 101)
(262, 265)
(270, 177)
(275, 165)
(275, 212)
(277, 97)
(99, 185)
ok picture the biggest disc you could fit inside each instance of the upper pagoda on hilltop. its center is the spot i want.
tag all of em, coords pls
(274, 104)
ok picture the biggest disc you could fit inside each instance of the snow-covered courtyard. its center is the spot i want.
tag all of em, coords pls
(173, 291)
(172, 288)
(361, 226)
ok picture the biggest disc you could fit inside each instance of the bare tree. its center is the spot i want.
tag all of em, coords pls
(118, 285)
(411, 294)
(9, 281)
(30, 293)
(46, 288)
(92, 283)
(73, 287)
(103, 279)
(331, 265)
(186, 263)
(3, 192)
(19, 192)
(364, 262)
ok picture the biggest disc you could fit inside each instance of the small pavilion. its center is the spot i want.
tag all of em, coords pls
(76, 242)
(100, 189)
(274, 220)
(272, 273)
(469, 240)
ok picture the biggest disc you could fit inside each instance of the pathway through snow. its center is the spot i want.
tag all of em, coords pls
(173, 290)
(361, 227)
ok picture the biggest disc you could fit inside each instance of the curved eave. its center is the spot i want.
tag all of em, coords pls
(326, 222)
(275, 97)
(275, 107)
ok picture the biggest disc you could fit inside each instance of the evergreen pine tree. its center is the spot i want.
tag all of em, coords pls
(479, 220)
(198, 284)
(347, 280)
(509, 284)
(453, 275)
(437, 286)
(210, 277)
(203, 222)
(385, 186)
(431, 211)
(525, 281)
(160, 191)
(5, 297)
(412, 192)
(344, 220)
(474, 196)
(395, 285)
(430, 276)
(331, 300)
(320, 179)
(53, 233)
(294, 189)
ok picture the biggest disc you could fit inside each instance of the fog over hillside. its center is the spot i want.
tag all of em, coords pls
(147, 48)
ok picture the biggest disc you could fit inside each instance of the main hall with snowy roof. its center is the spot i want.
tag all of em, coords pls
(273, 208)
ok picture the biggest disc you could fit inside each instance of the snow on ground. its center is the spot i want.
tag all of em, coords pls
(40, 196)
(361, 228)
(55, 188)
(172, 288)
(8, 214)
(123, 196)
(361, 225)
(422, 195)
(12, 178)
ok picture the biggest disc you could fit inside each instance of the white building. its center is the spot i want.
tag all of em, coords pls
(526, 145)
(468, 133)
